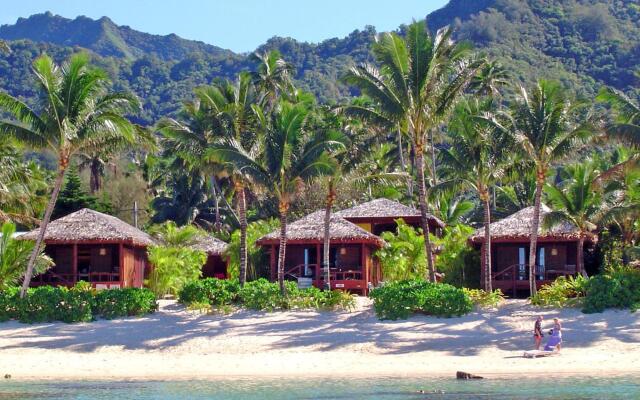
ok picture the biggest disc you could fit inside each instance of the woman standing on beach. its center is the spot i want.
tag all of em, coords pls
(537, 332)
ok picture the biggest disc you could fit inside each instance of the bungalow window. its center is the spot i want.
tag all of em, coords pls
(522, 264)
(541, 263)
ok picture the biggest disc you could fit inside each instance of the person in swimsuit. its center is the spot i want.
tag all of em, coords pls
(537, 332)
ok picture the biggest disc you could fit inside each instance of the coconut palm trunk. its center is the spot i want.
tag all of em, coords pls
(43, 227)
(487, 240)
(331, 197)
(580, 261)
(424, 223)
(284, 209)
(242, 215)
(95, 178)
(535, 225)
(216, 199)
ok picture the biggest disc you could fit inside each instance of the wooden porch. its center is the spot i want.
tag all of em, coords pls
(514, 279)
(103, 265)
(510, 270)
(350, 266)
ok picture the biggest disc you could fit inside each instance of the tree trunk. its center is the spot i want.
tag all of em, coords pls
(331, 197)
(95, 178)
(226, 203)
(403, 165)
(216, 199)
(424, 222)
(242, 214)
(487, 242)
(580, 260)
(434, 174)
(43, 228)
(284, 209)
(535, 225)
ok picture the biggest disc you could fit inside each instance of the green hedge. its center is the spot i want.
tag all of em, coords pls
(80, 303)
(399, 300)
(261, 295)
(616, 289)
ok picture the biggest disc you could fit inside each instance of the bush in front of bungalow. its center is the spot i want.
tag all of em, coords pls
(401, 299)
(260, 295)
(80, 303)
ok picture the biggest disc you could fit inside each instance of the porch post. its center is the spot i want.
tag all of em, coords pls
(363, 265)
(121, 261)
(74, 263)
(272, 262)
(318, 258)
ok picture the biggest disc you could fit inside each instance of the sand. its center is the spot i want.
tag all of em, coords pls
(177, 344)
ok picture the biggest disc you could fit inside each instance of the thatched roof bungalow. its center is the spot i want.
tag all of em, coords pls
(94, 247)
(557, 251)
(379, 215)
(351, 265)
(217, 262)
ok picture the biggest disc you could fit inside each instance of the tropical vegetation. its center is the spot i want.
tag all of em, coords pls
(422, 118)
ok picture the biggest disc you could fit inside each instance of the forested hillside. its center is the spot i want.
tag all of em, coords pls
(583, 43)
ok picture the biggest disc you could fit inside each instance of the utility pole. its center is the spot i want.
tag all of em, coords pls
(135, 214)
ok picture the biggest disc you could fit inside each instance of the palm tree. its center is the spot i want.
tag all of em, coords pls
(288, 157)
(622, 197)
(22, 187)
(449, 208)
(14, 255)
(77, 114)
(577, 201)
(490, 79)
(224, 110)
(421, 78)
(273, 77)
(543, 125)
(477, 158)
(626, 124)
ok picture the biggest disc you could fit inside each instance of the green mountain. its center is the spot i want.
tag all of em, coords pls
(583, 43)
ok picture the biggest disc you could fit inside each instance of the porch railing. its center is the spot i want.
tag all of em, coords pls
(520, 272)
(335, 274)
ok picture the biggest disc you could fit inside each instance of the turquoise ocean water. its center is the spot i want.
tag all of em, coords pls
(566, 388)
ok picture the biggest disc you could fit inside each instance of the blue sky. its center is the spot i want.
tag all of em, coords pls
(239, 25)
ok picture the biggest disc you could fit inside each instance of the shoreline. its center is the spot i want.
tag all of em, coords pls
(176, 345)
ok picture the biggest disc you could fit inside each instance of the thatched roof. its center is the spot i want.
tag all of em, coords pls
(311, 228)
(518, 227)
(210, 245)
(385, 208)
(88, 225)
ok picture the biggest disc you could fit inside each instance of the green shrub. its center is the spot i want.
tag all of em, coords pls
(81, 303)
(482, 298)
(213, 291)
(616, 289)
(40, 305)
(115, 303)
(563, 292)
(398, 300)
(265, 296)
(173, 268)
(9, 303)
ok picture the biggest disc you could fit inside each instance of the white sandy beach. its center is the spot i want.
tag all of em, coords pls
(176, 344)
